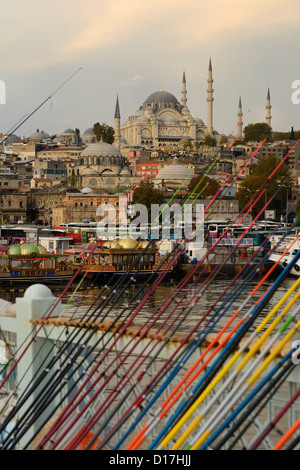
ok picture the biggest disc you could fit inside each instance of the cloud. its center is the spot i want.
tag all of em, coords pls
(132, 81)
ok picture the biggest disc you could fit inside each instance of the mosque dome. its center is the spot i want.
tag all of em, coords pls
(161, 97)
(199, 121)
(89, 131)
(69, 131)
(125, 172)
(143, 118)
(89, 172)
(171, 119)
(174, 172)
(100, 149)
(86, 191)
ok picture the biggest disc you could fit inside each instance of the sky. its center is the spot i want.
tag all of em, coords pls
(87, 53)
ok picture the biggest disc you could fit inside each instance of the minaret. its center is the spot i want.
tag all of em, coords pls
(240, 119)
(117, 140)
(183, 91)
(268, 109)
(210, 100)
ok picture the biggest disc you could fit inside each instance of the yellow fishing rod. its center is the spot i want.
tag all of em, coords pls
(239, 391)
(220, 376)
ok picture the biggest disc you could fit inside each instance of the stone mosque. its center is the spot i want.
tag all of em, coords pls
(163, 121)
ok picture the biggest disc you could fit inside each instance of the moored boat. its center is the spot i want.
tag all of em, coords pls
(120, 257)
(29, 262)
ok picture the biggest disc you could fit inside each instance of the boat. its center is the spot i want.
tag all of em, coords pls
(117, 258)
(31, 263)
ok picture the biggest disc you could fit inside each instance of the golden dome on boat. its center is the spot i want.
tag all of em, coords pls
(114, 244)
(42, 250)
(29, 249)
(14, 250)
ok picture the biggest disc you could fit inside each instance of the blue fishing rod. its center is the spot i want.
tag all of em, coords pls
(213, 369)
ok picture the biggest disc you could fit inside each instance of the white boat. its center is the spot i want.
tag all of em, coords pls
(285, 253)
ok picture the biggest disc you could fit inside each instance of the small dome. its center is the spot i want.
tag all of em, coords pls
(100, 149)
(29, 249)
(86, 190)
(89, 172)
(199, 121)
(114, 244)
(14, 250)
(39, 136)
(143, 118)
(89, 131)
(69, 131)
(125, 172)
(170, 119)
(42, 250)
(174, 172)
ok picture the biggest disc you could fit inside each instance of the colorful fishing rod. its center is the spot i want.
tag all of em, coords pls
(275, 421)
(239, 389)
(268, 387)
(51, 379)
(165, 407)
(206, 384)
(213, 343)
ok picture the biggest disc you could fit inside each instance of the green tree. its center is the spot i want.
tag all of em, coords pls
(146, 194)
(223, 140)
(212, 186)
(104, 132)
(257, 132)
(250, 187)
(210, 141)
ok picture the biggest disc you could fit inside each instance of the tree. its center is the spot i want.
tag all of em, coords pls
(210, 141)
(281, 181)
(104, 132)
(223, 140)
(257, 132)
(212, 186)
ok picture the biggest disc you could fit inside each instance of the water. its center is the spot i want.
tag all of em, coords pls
(90, 300)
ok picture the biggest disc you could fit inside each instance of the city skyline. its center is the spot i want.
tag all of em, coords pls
(132, 49)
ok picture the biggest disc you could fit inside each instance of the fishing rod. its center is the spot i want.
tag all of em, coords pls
(51, 381)
(274, 421)
(240, 329)
(213, 343)
(273, 384)
(28, 116)
(165, 407)
(238, 390)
